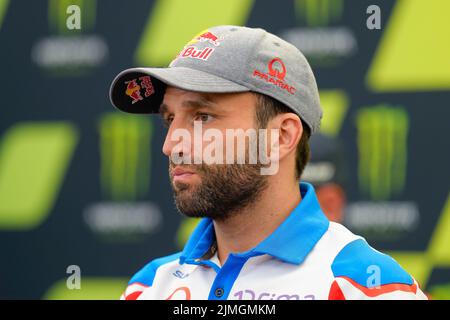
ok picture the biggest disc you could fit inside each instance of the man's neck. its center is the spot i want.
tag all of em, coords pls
(245, 229)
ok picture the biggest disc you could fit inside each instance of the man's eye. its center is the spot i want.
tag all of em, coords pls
(167, 121)
(203, 117)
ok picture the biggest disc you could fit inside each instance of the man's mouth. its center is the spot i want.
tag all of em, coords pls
(182, 175)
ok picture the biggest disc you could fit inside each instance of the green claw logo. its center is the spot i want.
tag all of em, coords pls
(382, 149)
(125, 143)
(319, 12)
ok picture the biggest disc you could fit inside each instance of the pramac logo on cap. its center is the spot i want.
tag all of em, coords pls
(133, 89)
(274, 72)
(275, 75)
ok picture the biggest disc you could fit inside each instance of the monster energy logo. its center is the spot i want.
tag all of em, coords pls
(319, 12)
(125, 143)
(382, 147)
(57, 14)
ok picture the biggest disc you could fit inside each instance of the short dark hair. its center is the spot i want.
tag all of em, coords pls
(266, 109)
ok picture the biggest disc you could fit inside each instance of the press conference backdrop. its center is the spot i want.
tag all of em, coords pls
(84, 188)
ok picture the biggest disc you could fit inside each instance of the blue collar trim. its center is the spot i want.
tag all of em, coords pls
(291, 242)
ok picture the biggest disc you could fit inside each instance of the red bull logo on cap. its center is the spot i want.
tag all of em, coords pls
(133, 89)
(190, 51)
(209, 37)
(193, 52)
(205, 36)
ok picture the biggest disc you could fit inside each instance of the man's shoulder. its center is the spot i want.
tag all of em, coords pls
(145, 276)
(362, 272)
(358, 262)
(353, 257)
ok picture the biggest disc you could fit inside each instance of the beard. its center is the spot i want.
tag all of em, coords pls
(223, 190)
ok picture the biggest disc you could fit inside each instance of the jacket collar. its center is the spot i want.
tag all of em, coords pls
(291, 242)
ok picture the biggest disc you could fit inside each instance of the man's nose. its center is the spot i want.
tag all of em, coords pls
(178, 140)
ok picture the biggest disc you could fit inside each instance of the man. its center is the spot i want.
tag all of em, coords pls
(262, 236)
(326, 170)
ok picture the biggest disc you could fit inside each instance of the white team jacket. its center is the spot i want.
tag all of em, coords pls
(306, 257)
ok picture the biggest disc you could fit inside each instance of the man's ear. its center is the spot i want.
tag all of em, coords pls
(290, 130)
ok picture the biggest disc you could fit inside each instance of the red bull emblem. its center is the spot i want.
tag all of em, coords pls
(208, 37)
(134, 89)
(193, 52)
(275, 75)
(190, 51)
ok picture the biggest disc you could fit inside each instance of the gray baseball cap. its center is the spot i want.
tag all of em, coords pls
(226, 59)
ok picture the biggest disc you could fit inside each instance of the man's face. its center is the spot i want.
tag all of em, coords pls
(214, 190)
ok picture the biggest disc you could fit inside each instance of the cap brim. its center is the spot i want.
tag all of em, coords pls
(130, 92)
